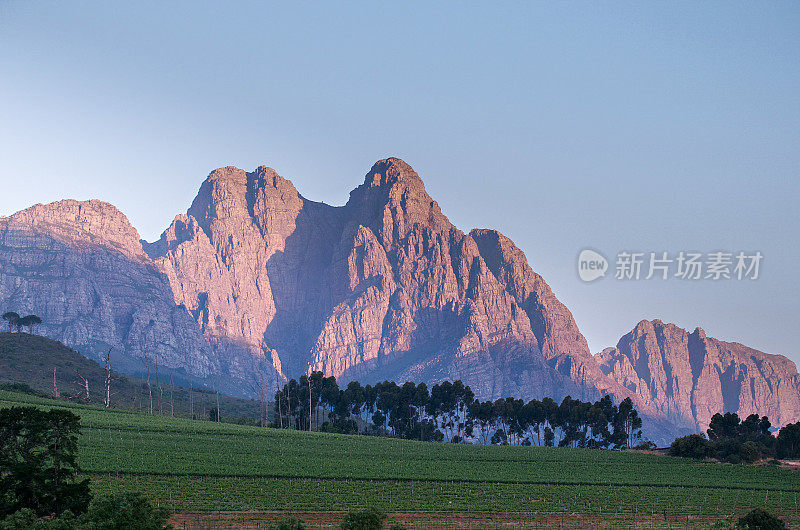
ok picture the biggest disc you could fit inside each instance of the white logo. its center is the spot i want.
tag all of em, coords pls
(591, 265)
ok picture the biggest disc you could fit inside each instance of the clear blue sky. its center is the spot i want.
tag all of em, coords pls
(644, 126)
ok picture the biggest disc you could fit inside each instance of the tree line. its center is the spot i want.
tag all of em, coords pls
(449, 412)
(15, 321)
(734, 440)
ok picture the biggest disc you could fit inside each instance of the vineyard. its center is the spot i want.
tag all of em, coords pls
(195, 466)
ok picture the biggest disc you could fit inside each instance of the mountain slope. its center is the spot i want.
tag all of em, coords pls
(31, 359)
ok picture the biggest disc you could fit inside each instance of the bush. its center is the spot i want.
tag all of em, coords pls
(115, 512)
(692, 446)
(22, 388)
(750, 452)
(124, 510)
(761, 519)
(26, 519)
(369, 519)
(291, 523)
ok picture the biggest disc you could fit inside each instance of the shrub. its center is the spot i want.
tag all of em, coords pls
(369, 519)
(124, 510)
(22, 388)
(691, 446)
(26, 519)
(290, 523)
(750, 452)
(761, 519)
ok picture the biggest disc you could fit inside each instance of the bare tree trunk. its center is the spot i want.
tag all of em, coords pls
(55, 386)
(266, 394)
(278, 393)
(149, 389)
(85, 386)
(218, 406)
(171, 396)
(160, 391)
(191, 400)
(107, 400)
(309, 404)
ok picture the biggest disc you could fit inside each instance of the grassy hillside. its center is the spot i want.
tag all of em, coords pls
(30, 359)
(192, 466)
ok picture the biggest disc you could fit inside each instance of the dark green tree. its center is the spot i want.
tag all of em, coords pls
(12, 318)
(691, 446)
(38, 466)
(29, 321)
(627, 425)
(787, 444)
(723, 426)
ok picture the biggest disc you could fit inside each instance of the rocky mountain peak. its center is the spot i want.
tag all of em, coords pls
(390, 171)
(644, 327)
(77, 223)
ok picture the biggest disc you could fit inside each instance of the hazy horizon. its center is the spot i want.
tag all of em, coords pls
(641, 128)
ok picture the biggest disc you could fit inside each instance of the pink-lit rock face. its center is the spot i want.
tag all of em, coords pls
(383, 287)
(689, 377)
(81, 268)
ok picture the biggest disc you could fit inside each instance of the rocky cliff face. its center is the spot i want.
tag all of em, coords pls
(80, 266)
(256, 282)
(383, 287)
(689, 377)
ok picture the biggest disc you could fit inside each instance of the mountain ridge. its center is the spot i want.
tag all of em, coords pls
(262, 284)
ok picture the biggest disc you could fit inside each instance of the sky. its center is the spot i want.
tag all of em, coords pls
(631, 126)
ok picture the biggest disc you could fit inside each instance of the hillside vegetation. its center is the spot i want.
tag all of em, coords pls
(30, 360)
(189, 466)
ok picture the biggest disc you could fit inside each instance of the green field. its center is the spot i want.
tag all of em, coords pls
(191, 466)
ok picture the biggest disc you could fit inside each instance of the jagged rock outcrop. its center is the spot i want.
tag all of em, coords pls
(689, 377)
(81, 268)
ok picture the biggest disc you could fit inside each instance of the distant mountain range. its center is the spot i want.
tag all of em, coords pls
(255, 284)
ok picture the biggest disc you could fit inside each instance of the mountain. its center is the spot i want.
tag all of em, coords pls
(255, 284)
(382, 287)
(689, 377)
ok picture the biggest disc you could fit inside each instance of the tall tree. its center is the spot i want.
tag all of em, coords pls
(107, 398)
(788, 442)
(12, 318)
(38, 467)
(29, 321)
